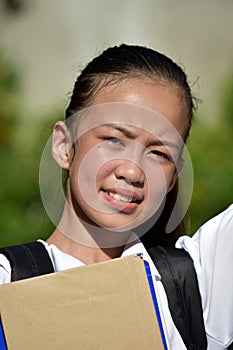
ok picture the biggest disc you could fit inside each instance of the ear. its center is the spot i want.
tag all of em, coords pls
(177, 172)
(62, 150)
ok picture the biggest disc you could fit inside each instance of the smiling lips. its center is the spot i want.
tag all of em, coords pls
(122, 199)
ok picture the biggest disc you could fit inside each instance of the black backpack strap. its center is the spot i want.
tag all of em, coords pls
(28, 260)
(181, 286)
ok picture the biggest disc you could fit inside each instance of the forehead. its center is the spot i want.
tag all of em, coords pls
(130, 118)
(162, 97)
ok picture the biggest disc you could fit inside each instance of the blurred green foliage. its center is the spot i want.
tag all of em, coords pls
(211, 150)
(22, 217)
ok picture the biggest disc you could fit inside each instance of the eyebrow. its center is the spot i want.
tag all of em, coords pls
(131, 135)
(122, 129)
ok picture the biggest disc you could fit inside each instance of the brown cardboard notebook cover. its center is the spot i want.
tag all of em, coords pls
(101, 306)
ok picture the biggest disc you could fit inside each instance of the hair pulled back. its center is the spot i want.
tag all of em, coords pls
(123, 62)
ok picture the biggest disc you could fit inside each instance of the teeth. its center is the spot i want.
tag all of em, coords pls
(120, 197)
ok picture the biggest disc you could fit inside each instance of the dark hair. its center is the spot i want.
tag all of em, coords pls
(127, 61)
(130, 61)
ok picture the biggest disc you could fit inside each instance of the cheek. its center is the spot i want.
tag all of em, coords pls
(86, 164)
(105, 174)
(83, 178)
(156, 185)
(87, 177)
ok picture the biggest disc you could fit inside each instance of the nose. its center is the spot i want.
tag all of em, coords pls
(130, 172)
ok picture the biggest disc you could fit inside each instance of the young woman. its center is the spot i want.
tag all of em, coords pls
(121, 147)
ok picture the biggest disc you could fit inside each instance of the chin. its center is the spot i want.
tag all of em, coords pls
(118, 225)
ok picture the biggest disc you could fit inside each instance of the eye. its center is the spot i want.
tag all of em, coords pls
(114, 141)
(161, 155)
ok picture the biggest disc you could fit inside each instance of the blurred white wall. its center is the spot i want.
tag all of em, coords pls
(50, 40)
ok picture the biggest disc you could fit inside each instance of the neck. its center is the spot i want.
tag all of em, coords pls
(88, 243)
(86, 254)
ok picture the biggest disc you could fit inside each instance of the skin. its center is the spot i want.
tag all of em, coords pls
(128, 176)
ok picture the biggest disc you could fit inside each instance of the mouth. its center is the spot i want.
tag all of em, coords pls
(122, 199)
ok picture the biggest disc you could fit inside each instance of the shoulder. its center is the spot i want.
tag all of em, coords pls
(60, 260)
(5, 270)
(217, 231)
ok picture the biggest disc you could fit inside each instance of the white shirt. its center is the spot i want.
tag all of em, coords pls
(211, 251)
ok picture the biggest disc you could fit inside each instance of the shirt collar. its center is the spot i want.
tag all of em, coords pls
(136, 247)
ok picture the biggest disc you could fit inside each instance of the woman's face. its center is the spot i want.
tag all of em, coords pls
(127, 153)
